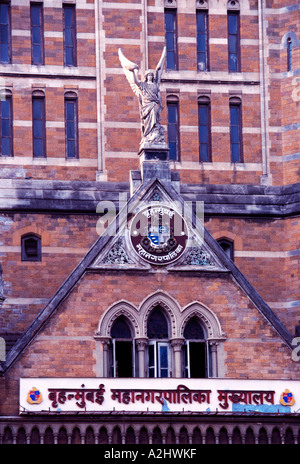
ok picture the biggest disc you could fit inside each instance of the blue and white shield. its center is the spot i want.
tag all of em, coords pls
(159, 234)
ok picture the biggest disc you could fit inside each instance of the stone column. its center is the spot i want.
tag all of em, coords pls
(176, 344)
(214, 358)
(141, 344)
(103, 354)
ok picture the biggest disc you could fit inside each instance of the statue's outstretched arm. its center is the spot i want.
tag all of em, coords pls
(131, 72)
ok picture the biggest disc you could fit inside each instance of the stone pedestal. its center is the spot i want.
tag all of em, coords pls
(154, 164)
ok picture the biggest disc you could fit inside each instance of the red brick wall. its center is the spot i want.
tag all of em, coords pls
(250, 344)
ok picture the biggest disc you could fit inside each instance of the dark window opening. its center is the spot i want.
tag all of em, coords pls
(69, 20)
(204, 130)
(71, 126)
(202, 41)
(236, 144)
(122, 349)
(158, 350)
(5, 33)
(157, 325)
(171, 38)
(289, 54)
(234, 60)
(38, 127)
(6, 130)
(37, 33)
(173, 129)
(227, 246)
(195, 350)
(31, 248)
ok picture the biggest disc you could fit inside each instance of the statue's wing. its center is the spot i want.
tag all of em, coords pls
(129, 67)
(160, 65)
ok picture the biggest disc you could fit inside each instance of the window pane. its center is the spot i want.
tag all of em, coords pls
(170, 60)
(234, 115)
(173, 150)
(234, 134)
(4, 53)
(5, 127)
(68, 14)
(3, 13)
(163, 353)
(70, 111)
(36, 35)
(203, 115)
(232, 23)
(36, 54)
(235, 152)
(68, 37)
(120, 328)
(157, 326)
(70, 130)
(172, 133)
(38, 128)
(5, 108)
(37, 109)
(172, 114)
(232, 43)
(71, 149)
(203, 134)
(201, 43)
(35, 15)
(204, 152)
(232, 62)
(170, 41)
(69, 56)
(4, 34)
(169, 21)
(38, 147)
(201, 22)
(6, 146)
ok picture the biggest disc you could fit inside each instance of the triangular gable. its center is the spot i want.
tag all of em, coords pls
(205, 254)
(117, 253)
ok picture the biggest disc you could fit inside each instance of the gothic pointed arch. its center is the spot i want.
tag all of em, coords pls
(207, 318)
(120, 309)
(167, 304)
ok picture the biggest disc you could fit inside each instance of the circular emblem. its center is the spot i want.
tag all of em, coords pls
(159, 234)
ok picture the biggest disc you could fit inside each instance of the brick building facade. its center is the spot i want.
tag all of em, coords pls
(69, 141)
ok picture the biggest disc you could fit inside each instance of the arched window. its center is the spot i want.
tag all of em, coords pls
(195, 350)
(158, 348)
(71, 124)
(236, 137)
(173, 127)
(6, 120)
(31, 247)
(204, 121)
(227, 246)
(289, 54)
(233, 29)
(122, 354)
(38, 124)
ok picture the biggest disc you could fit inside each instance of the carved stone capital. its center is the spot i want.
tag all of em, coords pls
(141, 343)
(177, 343)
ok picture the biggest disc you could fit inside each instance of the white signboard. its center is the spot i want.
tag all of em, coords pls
(162, 395)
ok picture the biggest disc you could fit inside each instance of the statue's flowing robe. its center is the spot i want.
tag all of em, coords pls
(149, 106)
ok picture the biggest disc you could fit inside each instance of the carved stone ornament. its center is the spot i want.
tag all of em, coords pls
(196, 256)
(149, 98)
(117, 254)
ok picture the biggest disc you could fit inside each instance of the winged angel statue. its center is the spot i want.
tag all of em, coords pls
(149, 97)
